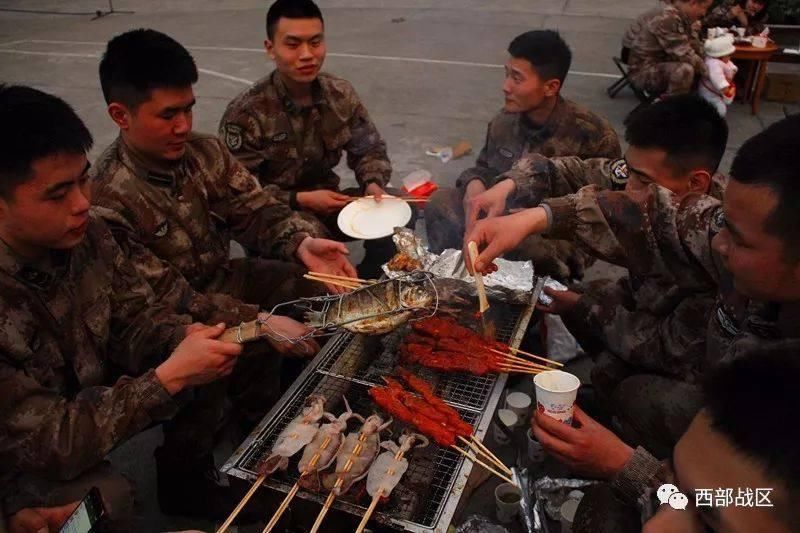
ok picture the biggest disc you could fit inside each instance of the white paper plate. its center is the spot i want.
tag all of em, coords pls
(368, 219)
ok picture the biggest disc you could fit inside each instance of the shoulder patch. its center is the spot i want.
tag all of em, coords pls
(619, 173)
(508, 154)
(233, 136)
(162, 230)
(280, 137)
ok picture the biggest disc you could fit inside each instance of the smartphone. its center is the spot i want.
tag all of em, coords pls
(89, 513)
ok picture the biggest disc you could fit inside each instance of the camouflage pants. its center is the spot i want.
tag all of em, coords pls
(669, 78)
(444, 220)
(647, 410)
(116, 491)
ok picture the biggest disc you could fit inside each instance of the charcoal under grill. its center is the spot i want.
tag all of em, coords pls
(348, 365)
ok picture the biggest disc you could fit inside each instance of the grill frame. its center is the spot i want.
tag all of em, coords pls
(451, 387)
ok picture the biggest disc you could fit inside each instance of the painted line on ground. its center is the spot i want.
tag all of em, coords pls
(225, 76)
(345, 56)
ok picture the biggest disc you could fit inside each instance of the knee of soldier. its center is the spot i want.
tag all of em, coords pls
(441, 204)
(444, 218)
(683, 76)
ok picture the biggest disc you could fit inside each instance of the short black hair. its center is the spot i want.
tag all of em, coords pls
(770, 159)
(546, 51)
(35, 125)
(291, 9)
(138, 61)
(686, 127)
(753, 401)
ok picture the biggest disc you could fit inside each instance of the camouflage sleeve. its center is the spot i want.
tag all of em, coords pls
(481, 171)
(59, 437)
(646, 226)
(170, 287)
(243, 136)
(537, 177)
(257, 219)
(677, 42)
(639, 476)
(366, 150)
(606, 144)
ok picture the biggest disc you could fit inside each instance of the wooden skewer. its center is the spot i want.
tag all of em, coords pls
(478, 461)
(333, 282)
(242, 503)
(519, 360)
(483, 301)
(339, 482)
(512, 366)
(342, 278)
(405, 198)
(522, 362)
(514, 370)
(285, 503)
(375, 499)
(539, 357)
(476, 446)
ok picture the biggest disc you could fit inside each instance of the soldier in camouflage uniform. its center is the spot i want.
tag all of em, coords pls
(291, 128)
(535, 120)
(85, 345)
(174, 199)
(667, 54)
(753, 259)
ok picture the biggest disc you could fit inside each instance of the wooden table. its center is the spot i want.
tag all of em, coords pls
(756, 75)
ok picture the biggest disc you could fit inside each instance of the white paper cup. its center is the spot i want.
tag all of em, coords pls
(759, 42)
(520, 403)
(567, 512)
(507, 498)
(555, 394)
(509, 419)
(536, 453)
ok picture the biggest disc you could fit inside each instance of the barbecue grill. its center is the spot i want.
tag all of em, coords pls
(348, 365)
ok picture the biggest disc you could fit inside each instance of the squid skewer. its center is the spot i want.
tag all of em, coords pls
(387, 470)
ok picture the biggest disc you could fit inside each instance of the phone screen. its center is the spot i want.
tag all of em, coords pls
(86, 515)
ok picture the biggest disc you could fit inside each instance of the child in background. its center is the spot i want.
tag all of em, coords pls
(718, 87)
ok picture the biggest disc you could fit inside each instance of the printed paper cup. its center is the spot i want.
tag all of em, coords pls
(555, 394)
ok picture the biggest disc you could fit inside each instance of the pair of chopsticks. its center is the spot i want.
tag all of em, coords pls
(515, 363)
(339, 281)
(481, 453)
(488, 329)
(411, 199)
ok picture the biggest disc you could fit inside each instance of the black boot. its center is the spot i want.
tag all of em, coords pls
(192, 488)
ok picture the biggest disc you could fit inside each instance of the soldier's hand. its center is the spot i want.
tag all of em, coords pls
(40, 519)
(322, 201)
(563, 301)
(491, 203)
(586, 447)
(198, 359)
(280, 327)
(376, 191)
(496, 236)
(473, 189)
(330, 257)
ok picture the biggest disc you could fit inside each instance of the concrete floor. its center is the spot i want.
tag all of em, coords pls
(429, 71)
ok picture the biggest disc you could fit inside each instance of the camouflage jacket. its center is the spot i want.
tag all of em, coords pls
(176, 223)
(721, 17)
(570, 130)
(667, 37)
(641, 22)
(81, 332)
(671, 240)
(294, 149)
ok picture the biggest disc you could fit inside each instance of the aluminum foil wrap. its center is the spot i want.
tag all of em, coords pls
(549, 494)
(546, 299)
(513, 281)
(480, 524)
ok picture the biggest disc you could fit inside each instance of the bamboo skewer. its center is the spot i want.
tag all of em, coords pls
(404, 198)
(285, 503)
(539, 357)
(242, 503)
(338, 283)
(339, 482)
(478, 447)
(520, 360)
(484, 465)
(342, 278)
(375, 499)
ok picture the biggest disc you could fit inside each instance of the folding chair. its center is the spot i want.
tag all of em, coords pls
(622, 65)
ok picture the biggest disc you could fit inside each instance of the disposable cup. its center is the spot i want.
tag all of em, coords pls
(759, 42)
(508, 419)
(555, 394)
(507, 498)
(520, 403)
(567, 514)
(536, 453)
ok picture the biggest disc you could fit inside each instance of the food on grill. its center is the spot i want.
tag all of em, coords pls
(327, 442)
(402, 262)
(376, 309)
(357, 453)
(389, 467)
(443, 344)
(429, 414)
(299, 432)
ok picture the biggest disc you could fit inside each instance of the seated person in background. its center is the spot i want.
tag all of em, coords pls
(89, 357)
(633, 30)
(291, 127)
(751, 250)
(748, 14)
(535, 119)
(666, 54)
(650, 324)
(718, 87)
